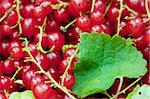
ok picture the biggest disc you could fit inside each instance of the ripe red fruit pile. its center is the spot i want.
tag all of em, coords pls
(48, 25)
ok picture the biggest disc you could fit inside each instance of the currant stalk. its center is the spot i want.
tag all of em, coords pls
(129, 9)
(119, 17)
(44, 72)
(39, 45)
(18, 2)
(6, 93)
(6, 13)
(19, 82)
(59, 5)
(147, 8)
(19, 68)
(69, 64)
(93, 3)
(32, 1)
(65, 47)
(64, 28)
(108, 6)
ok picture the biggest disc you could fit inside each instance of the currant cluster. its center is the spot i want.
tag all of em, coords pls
(38, 41)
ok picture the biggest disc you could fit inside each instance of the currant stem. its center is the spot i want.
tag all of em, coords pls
(108, 6)
(19, 82)
(6, 13)
(47, 73)
(124, 90)
(39, 47)
(60, 87)
(59, 5)
(106, 93)
(41, 28)
(6, 93)
(32, 1)
(65, 47)
(129, 18)
(147, 8)
(129, 9)
(44, 23)
(19, 68)
(119, 87)
(93, 3)
(69, 64)
(18, 2)
(119, 17)
(64, 29)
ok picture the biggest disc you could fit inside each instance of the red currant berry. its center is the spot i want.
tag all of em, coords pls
(11, 18)
(52, 25)
(42, 59)
(2, 95)
(44, 91)
(69, 81)
(100, 6)
(97, 28)
(27, 76)
(35, 80)
(56, 39)
(8, 66)
(5, 83)
(27, 10)
(54, 59)
(135, 27)
(61, 15)
(112, 14)
(68, 52)
(83, 23)
(78, 6)
(63, 65)
(97, 18)
(28, 27)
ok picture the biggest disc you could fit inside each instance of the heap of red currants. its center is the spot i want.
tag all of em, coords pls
(39, 37)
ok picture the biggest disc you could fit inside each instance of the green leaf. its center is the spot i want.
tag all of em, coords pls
(28, 94)
(15, 95)
(102, 59)
(142, 92)
(133, 92)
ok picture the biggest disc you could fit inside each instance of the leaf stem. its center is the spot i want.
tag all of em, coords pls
(6, 13)
(119, 17)
(124, 90)
(93, 3)
(69, 64)
(106, 93)
(119, 87)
